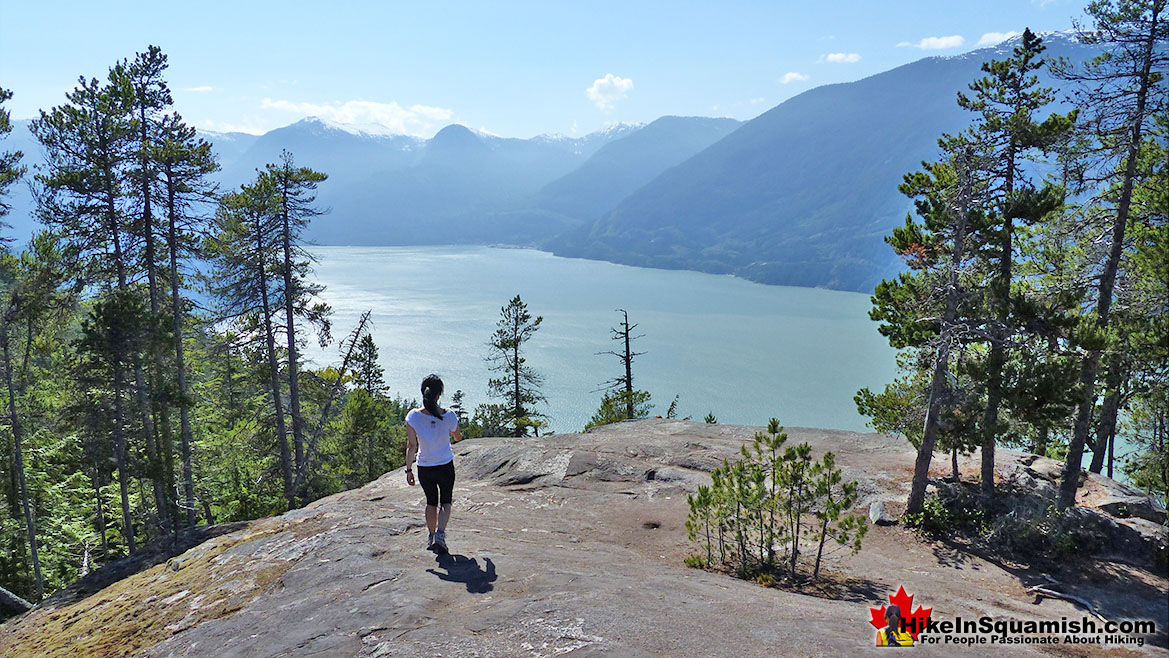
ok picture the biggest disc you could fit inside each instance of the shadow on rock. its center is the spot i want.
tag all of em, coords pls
(462, 569)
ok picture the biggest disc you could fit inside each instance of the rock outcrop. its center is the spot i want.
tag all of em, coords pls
(561, 545)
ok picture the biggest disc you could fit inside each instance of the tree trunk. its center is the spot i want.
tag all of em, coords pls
(100, 511)
(18, 462)
(159, 469)
(1002, 293)
(120, 456)
(1106, 425)
(628, 370)
(273, 367)
(1111, 445)
(820, 550)
(1040, 445)
(120, 381)
(293, 357)
(925, 452)
(186, 436)
(519, 409)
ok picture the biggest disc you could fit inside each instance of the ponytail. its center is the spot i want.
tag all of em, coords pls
(431, 389)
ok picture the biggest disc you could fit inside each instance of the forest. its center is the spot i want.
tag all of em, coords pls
(153, 331)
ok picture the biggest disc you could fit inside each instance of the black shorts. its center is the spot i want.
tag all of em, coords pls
(436, 479)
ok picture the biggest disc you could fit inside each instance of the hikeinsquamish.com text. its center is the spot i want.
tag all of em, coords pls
(987, 630)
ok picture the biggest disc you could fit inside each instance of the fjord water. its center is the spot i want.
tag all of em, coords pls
(740, 350)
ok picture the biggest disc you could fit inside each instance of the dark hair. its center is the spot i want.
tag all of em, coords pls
(893, 617)
(431, 389)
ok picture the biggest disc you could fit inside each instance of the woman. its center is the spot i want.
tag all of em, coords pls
(429, 433)
(893, 635)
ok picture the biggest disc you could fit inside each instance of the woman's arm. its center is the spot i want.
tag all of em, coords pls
(456, 435)
(411, 453)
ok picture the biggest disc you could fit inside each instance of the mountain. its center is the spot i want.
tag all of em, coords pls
(625, 164)
(800, 195)
(385, 188)
(327, 147)
(450, 195)
(804, 193)
(19, 197)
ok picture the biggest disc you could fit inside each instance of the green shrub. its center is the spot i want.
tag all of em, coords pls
(773, 495)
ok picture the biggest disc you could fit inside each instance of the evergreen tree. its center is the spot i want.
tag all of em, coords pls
(293, 189)
(10, 167)
(1006, 101)
(458, 407)
(834, 498)
(11, 305)
(149, 98)
(620, 405)
(518, 384)
(928, 308)
(88, 149)
(369, 373)
(1124, 89)
(185, 163)
(246, 249)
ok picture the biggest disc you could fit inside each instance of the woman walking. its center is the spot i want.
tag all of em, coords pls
(430, 430)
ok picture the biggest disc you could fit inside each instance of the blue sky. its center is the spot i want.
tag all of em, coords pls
(515, 69)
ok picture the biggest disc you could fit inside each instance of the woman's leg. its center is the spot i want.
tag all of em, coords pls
(435, 519)
(446, 486)
(429, 479)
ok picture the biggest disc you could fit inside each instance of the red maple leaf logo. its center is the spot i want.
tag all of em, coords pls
(913, 623)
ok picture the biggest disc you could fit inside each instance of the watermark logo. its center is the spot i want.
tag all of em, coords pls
(897, 624)
(900, 625)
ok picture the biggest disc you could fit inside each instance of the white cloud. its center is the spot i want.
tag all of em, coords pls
(991, 38)
(200, 89)
(389, 118)
(756, 101)
(841, 58)
(792, 76)
(935, 43)
(248, 125)
(606, 91)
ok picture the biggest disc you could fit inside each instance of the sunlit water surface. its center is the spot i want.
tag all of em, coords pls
(740, 350)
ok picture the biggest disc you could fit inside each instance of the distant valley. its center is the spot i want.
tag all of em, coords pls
(801, 195)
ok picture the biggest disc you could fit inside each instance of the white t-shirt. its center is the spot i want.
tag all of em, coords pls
(434, 436)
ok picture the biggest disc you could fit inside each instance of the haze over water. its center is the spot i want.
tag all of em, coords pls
(743, 351)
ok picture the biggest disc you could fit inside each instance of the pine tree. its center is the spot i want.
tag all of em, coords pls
(929, 307)
(369, 373)
(246, 249)
(834, 497)
(518, 384)
(1006, 102)
(10, 172)
(185, 163)
(88, 148)
(149, 98)
(293, 190)
(1124, 90)
(459, 408)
